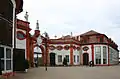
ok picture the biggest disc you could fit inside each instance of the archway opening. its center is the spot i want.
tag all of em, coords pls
(85, 59)
(38, 56)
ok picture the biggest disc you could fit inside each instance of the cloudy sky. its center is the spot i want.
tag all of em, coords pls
(61, 17)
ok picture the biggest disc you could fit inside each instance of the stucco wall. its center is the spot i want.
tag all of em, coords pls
(76, 53)
(89, 51)
(21, 44)
(64, 52)
(60, 52)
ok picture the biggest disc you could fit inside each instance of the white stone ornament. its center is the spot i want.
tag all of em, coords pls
(39, 40)
(26, 16)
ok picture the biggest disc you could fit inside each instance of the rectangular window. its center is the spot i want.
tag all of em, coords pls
(67, 57)
(111, 55)
(104, 61)
(59, 58)
(2, 65)
(77, 58)
(98, 54)
(98, 61)
(104, 55)
(8, 53)
(1, 52)
(6, 58)
(8, 64)
(74, 58)
(85, 41)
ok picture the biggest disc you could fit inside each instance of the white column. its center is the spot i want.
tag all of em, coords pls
(14, 6)
(101, 54)
(94, 55)
(107, 54)
(13, 31)
(5, 59)
(12, 60)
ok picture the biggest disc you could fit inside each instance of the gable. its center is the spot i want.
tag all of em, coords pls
(91, 32)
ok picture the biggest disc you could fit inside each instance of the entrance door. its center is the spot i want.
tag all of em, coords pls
(85, 59)
(18, 60)
(52, 59)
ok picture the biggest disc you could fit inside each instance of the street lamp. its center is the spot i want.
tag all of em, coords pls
(39, 42)
(46, 43)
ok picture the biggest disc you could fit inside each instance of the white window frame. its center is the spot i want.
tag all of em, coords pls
(78, 58)
(5, 59)
(68, 60)
(74, 58)
(60, 59)
(98, 53)
(104, 54)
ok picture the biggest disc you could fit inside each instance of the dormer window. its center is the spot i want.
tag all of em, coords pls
(86, 39)
(101, 39)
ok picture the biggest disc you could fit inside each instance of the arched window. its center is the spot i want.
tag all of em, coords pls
(59, 47)
(66, 47)
(52, 47)
(20, 35)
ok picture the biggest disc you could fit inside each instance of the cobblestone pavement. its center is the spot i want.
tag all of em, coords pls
(111, 72)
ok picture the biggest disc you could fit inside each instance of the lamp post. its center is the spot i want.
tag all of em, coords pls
(46, 40)
(39, 42)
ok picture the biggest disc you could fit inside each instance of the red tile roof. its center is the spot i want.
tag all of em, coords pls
(91, 32)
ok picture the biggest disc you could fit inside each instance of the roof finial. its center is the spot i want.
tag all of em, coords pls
(37, 25)
(71, 34)
(55, 36)
(26, 16)
(62, 37)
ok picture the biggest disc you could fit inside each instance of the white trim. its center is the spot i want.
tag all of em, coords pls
(107, 53)
(14, 7)
(14, 3)
(5, 47)
(102, 54)
(13, 26)
(7, 71)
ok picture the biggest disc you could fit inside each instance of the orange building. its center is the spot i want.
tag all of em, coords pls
(25, 43)
(81, 49)
(78, 50)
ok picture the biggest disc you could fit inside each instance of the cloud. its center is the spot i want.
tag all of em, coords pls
(60, 17)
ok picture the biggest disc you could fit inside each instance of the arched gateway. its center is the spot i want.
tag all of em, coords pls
(39, 55)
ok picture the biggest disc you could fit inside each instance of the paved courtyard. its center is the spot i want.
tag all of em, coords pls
(111, 72)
